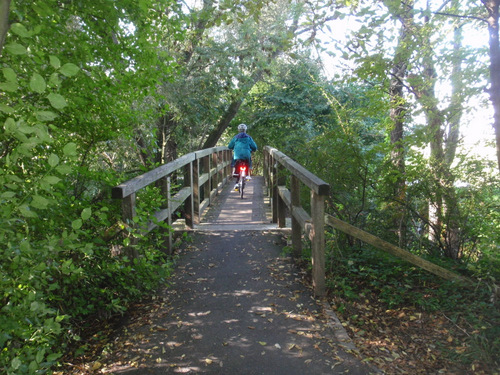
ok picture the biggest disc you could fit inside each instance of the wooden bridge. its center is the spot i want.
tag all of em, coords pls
(191, 183)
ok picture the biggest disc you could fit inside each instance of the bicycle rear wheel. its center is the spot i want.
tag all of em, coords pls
(242, 187)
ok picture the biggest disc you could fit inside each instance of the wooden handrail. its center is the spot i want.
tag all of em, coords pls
(204, 171)
(313, 224)
(394, 250)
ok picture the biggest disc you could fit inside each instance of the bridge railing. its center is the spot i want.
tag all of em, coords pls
(281, 171)
(202, 175)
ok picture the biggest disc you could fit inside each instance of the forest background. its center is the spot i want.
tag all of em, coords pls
(95, 93)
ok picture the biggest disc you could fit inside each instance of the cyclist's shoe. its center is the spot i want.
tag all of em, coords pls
(249, 178)
(236, 187)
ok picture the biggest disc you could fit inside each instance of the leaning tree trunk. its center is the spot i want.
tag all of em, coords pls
(222, 125)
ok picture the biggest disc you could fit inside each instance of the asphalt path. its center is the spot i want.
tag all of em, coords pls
(236, 304)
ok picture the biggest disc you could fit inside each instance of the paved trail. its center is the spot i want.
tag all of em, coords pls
(234, 305)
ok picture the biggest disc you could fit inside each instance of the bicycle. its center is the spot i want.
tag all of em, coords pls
(240, 173)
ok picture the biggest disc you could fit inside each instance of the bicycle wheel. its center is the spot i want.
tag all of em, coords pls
(242, 187)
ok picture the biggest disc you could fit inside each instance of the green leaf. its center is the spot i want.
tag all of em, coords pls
(86, 213)
(51, 180)
(40, 202)
(26, 212)
(45, 115)
(9, 86)
(70, 149)
(55, 62)
(16, 363)
(77, 224)
(10, 126)
(7, 195)
(41, 354)
(37, 83)
(16, 49)
(6, 109)
(53, 160)
(20, 29)
(57, 101)
(9, 74)
(69, 69)
(24, 128)
(54, 79)
(64, 169)
(53, 357)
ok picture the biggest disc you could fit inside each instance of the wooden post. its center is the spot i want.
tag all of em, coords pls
(166, 233)
(281, 204)
(317, 237)
(215, 182)
(296, 227)
(169, 217)
(229, 170)
(196, 192)
(188, 204)
(274, 190)
(267, 172)
(220, 159)
(207, 185)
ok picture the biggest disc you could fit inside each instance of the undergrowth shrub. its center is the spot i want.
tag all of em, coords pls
(360, 274)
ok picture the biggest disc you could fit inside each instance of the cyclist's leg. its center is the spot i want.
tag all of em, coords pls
(233, 164)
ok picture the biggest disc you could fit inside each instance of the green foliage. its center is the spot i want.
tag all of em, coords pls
(290, 111)
(68, 99)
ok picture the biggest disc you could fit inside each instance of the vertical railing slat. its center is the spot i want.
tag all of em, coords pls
(318, 242)
(188, 204)
(296, 227)
(196, 192)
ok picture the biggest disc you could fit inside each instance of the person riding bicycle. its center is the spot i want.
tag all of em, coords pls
(242, 145)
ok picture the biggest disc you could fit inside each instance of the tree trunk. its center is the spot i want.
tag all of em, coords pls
(397, 114)
(233, 108)
(493, 24)
(166, 138)
(451, 205)
(4, 22)
(443, 206)
(224, 122)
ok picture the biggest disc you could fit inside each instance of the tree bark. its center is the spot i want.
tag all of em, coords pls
(397, 114)
(492, 7)
(4, 22)
(443, 205)
(222, 125)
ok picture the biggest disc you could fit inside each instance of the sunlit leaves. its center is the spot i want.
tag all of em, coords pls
(57, 101)
(37, 83)
(45, 116)
(69, 69)
(16, 49)
(70, 149)
(20, 29)
(55, 62)
(53, 160)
